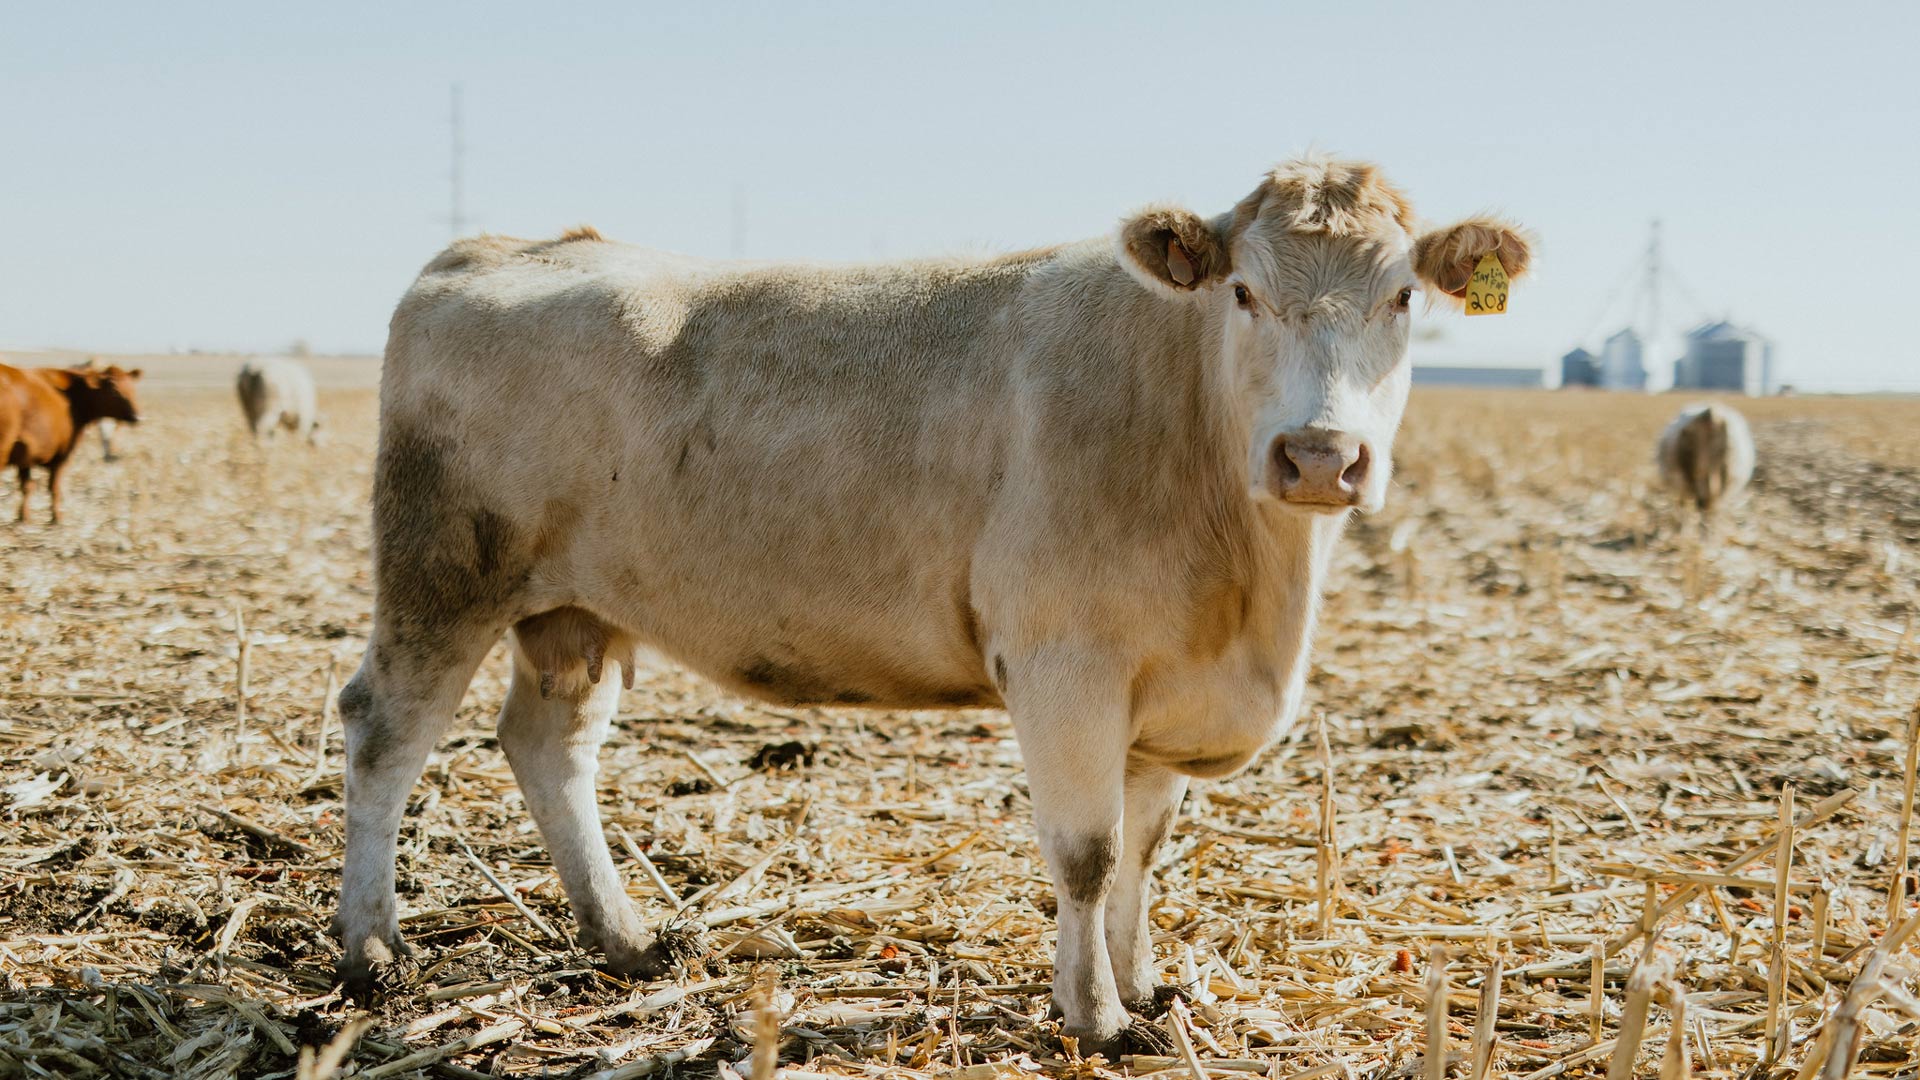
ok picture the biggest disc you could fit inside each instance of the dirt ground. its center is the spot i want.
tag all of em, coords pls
(1554, 717)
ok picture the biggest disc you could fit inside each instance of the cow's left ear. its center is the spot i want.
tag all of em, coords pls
(1170, 250)
(1444, 258)
(134, 374)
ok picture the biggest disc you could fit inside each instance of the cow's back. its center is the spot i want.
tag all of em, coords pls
(775, 474)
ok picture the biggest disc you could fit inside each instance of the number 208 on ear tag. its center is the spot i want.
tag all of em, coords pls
(1487, 291)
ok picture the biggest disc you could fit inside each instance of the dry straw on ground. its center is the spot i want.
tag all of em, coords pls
(1557, 745)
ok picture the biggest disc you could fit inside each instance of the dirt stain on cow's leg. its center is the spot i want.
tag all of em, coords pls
(372, 741)
(1087, 866)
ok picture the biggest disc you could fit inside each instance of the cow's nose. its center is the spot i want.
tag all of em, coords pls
(1319, 467)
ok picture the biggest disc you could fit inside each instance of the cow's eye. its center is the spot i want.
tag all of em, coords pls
(1404, 300)
(1241, 296)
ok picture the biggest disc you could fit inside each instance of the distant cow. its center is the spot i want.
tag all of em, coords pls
(1706, 456)
(1097, 484)
(43, 412)
(277, 392)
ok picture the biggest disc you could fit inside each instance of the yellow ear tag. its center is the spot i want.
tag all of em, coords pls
(1487, 292)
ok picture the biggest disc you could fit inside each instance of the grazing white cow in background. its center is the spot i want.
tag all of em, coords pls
(1097, 484)
(277, 392)
(1706, 457)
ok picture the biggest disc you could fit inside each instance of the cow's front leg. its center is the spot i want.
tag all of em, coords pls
(1153, 795)
(553, 744)
(1073, 727)
(53, 487)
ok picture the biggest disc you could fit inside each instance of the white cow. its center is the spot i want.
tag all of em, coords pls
(277, 392)
(1706, 456)
(1097, 484)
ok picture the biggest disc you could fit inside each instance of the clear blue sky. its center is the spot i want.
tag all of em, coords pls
(232, 176)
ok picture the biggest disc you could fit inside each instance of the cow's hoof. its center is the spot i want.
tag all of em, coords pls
(366, 983)
(673, 949)
(378, 966)
(1138, 1037)
(1089, 1043)
(1087, 1047)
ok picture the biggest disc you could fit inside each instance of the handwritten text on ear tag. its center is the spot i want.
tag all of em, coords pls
(1487, 291)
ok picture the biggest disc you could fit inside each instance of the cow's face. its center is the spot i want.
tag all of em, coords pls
(1311, 281)
(109, 393)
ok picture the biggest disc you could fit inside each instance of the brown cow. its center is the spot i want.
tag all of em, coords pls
(43, 412)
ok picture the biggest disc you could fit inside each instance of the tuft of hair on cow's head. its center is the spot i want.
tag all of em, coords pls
(1170, 250)
(1444, 258)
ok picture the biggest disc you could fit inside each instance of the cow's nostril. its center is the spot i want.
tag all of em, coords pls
(1285, 470)
(1355, 475)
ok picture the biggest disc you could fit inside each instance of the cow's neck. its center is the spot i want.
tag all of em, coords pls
(77, 413)
(1288, 571)
(1264, 563)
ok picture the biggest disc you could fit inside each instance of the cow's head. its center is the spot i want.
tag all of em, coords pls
(1311, 280)
(106, 393)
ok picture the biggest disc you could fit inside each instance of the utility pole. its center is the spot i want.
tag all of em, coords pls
(1653, 281)
(737, 231)
(456, 178)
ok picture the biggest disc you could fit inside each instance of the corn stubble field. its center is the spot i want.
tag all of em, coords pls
(1552, 721)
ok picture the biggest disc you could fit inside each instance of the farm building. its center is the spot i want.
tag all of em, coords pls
(1722, 356)
(1439, 362)
(1621, 365)
(1517, 378)
(1579, 368)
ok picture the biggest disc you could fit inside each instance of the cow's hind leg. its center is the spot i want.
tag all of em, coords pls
(451, 566)
(392, 710)
(1153, 796)
(551, 729)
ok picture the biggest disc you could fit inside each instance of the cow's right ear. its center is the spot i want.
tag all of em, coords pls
(1172, 251)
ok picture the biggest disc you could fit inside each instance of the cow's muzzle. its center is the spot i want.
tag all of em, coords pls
(1319, 469)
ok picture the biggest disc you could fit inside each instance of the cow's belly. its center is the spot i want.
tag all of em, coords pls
(800, 608)
(826, 652)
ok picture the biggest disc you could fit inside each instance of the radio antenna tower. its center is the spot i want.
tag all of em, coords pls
(456, 172)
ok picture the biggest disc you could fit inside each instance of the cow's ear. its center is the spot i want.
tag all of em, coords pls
(134, 374)
(1172, 251)
(1444, 258)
